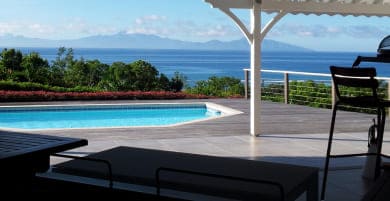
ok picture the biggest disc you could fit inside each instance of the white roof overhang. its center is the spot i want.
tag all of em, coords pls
(317, 7)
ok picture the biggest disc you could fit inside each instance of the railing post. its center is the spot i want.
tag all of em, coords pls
(246, 75)
(286, 88)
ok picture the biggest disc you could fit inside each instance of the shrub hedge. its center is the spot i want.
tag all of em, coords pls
(31, 86)
(58, 96)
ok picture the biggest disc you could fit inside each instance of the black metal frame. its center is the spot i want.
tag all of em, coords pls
(110, 179)
(160, 169)
(380, 106)
(380, 59)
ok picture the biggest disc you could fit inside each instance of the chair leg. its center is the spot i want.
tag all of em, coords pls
(326, 168)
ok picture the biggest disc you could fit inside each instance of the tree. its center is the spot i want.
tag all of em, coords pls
(36, 68)
(67, 72)
(11, 59)
(85, 73)
(62, 63)
(10, 64)
(177, 82)
(218, 86)
(145, 76)
(163, 83)
(75, 74)
(96, 72)
(119, 77)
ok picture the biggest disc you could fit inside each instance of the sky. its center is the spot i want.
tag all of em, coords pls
(188, 20)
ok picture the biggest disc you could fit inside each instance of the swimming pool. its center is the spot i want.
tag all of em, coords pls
(104, 116)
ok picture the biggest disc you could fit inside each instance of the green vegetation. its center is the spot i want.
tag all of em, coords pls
(91, 79)
(65, 75)
(32, 86)
(311, 93)
(32, 73)
(307, 93)
(315, 94)
(218, 87)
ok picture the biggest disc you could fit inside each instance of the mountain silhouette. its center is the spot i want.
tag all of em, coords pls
(142, 41)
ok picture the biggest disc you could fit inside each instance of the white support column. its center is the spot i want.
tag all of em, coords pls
(254, 37)
(255, 71)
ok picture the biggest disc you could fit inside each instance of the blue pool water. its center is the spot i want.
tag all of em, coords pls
(62, 117)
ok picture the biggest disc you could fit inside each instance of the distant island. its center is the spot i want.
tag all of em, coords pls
(143, 41)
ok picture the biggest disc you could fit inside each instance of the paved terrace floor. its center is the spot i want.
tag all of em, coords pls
(290, 134)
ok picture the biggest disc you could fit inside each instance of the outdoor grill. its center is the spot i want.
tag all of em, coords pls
(384, 47)
(383, 54)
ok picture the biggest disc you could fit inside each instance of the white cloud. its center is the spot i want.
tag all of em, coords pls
(365, 31)
(204, 32)
(141, 30)
(182, 29)
(25, 29)
(9, 27)
(151, 24)
(77, 25)
(155, 18)
(305, 30)
(217, 31)
(71, 28)
(74, 28)
(40, 28)
(150, 19)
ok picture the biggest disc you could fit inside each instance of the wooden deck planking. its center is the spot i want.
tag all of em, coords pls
(276, 118)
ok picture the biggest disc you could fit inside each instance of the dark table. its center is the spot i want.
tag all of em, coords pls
(22, 155)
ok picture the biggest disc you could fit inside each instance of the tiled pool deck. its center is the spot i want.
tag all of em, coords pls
(290, 134)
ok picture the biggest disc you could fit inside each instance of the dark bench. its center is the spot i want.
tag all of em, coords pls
(210, 175)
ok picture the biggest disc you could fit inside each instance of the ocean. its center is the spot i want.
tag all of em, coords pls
(201, 64)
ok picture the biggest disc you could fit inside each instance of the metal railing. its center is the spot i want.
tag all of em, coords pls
(315, 90)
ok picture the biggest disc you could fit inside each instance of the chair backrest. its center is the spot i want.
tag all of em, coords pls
(362, 78)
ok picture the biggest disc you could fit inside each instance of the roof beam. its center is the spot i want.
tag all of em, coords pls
(239, 23)
(271, 23)
(236, 4)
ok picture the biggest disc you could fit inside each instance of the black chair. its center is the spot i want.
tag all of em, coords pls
(362, 78)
